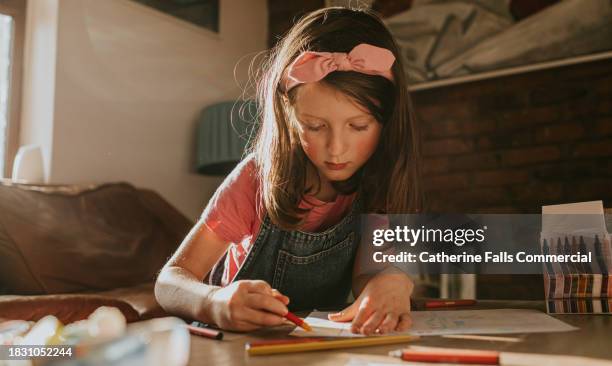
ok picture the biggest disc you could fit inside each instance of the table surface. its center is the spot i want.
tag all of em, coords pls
(593, 339)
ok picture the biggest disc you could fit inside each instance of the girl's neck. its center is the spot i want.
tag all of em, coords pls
(326, 192)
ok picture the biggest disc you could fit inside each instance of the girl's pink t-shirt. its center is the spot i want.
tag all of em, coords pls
(235, 213)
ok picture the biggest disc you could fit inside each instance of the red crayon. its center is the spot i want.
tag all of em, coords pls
(298, 321)
(448, 356)
(448, 303)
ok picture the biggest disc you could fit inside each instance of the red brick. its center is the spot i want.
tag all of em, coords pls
(520, 118)
(604, 106)
(457, 93)
(542, 115)
(442, 129)
(573, 169)
(445, 182)
(590, 168)
(447, 147)
(462, 201)
(581, 108)
(481, 197)
(435, 165)
(537, 194)
(596, 148)
(500, 177)
(583, 72)
(432, 113)
(502, 100)
(549, 172)
(590, 190)
(561, 132)
(282, 15)
(500, 210)
(530, 155)
(557, 94)
(481, 126)
(484, 143)
(523, 138)
(438, 205)
(604, 127)
(475, 161)
(604, 84)
(451, 128)
(505, 141)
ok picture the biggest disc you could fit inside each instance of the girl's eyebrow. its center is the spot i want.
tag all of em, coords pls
(311, 116)
(323, 119)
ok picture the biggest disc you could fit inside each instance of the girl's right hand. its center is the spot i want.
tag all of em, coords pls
(247, 305)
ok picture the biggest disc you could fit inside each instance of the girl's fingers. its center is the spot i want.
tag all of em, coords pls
(372, 323)
(245, 326)
(267, 303)
(389, 323)
(405, 322)
(262, 287)
(258, 286)
(260, 318)
(365, 310)
(345, 315)
(280, 296)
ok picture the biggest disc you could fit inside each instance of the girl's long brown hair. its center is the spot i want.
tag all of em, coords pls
(389, 181)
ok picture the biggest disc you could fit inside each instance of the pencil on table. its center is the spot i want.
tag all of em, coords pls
(313, 345)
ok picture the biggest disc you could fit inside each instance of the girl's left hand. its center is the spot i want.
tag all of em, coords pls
(383, 306)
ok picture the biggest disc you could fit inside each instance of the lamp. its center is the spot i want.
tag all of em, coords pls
(28, 166)
(222, 135)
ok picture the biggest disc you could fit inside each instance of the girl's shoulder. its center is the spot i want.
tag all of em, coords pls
(246, 170)
(232, 212)
(243, 180)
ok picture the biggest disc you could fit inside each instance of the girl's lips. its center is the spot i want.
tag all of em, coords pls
(334, 166)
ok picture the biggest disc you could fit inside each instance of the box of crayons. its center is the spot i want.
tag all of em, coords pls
(582, 285)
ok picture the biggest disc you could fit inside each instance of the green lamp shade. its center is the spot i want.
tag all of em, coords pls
(223, 132)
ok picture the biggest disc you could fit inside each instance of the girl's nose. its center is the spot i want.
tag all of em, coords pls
(336, 145)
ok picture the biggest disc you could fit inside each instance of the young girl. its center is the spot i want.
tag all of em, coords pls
(337, 138)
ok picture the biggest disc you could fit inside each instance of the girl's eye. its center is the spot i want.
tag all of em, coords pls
(360, 127)
(314, 127)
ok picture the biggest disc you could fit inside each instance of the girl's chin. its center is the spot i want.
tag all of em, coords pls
(338, 176)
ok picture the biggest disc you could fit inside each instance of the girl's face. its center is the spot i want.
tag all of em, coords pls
(337, 134)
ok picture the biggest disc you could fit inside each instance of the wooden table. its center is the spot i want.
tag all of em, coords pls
(593, 339)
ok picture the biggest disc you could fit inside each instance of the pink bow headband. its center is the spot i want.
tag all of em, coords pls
(309, 66)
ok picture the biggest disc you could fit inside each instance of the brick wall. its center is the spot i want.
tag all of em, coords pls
(512, 144)
(515, 143)
(283, 14)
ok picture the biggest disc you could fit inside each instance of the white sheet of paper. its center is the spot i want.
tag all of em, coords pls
(577, 217)
(424, 323)
(578, 208)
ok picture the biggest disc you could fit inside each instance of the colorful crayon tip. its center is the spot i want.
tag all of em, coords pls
(298, 321)
(306, 327)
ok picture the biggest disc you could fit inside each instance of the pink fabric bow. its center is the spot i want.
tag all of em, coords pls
(314, 66)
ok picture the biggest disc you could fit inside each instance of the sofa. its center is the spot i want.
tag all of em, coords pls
(67, 249)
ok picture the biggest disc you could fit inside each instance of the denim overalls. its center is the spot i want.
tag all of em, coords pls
(313, 269)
